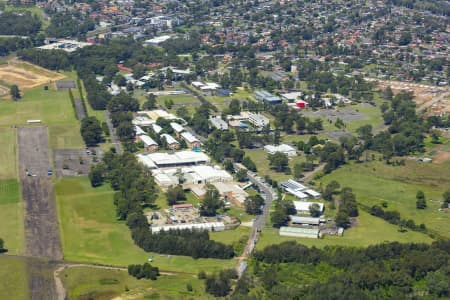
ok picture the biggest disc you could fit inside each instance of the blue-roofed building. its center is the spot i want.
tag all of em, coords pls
(223, 92)
(266, 97)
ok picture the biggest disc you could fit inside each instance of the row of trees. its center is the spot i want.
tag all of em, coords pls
(24, 23)
(385, 271)
(146, 271)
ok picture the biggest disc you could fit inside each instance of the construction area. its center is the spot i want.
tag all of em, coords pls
(42, 239)
(186, 216)
(26, 76)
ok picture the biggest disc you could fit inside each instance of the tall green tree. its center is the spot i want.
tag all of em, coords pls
(14, 92)
(420, 200)
(91, 131)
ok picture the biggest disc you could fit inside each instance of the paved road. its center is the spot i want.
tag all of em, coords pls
(269, 194)
(112, 133)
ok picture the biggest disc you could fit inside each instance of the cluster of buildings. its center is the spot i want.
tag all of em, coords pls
(298, 190)
(244, 119)
(193, 170)
(148, 119)
(186, 216)
(63, 44)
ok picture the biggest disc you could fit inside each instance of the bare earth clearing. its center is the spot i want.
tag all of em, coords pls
(71, 162)
(26, 76)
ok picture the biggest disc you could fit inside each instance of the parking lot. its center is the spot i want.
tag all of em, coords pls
(72, 162)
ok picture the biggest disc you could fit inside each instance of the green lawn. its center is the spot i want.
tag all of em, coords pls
(11, 216)
(53, 108)
(108, 284)
(13, 278)
(378, 182)
(186, 100)
(370, 230)
(259, 157)
(91, 233)
(8, 161)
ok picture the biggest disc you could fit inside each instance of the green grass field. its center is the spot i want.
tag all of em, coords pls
(259, 157)
(53, 108)
(13, 278)
(84, 282)
(370, 230)
(91, 233)
(8, 160)
(11, 216)
(378, 182)
(187, 100)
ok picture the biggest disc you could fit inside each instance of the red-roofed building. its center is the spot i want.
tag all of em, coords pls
(182, 206)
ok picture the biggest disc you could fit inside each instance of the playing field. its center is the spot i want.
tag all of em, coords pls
(27, 76)
(378, 182)
(91, 233)
(84, 282)
(52, 107)
(11, 216)
(370, 231)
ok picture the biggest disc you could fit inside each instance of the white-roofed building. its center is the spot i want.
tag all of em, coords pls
(158, 113)
(297, 194)
(283, 148)
(191, 175)
(292, 96)
(156, 128)
(312, 193)
(211, 226)
(293, 185)
(139, 131)
(179, 159)
(157, 40)
(299, 232)
(171, 142)
(191, 140)
(306, 220)
(146, 161)
(210, 86)
(197, 84)
(149, 144)
(302, 207)
(218, 123)
(258, 120)
(177, 128)
(142, 121)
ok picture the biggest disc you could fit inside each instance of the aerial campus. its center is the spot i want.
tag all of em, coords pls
(225, 149)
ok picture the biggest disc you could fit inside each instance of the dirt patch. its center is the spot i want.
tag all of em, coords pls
(72, 162)
(27, 76)
(336, 135)
(442, 154)
(346, 114)
(432, 99)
